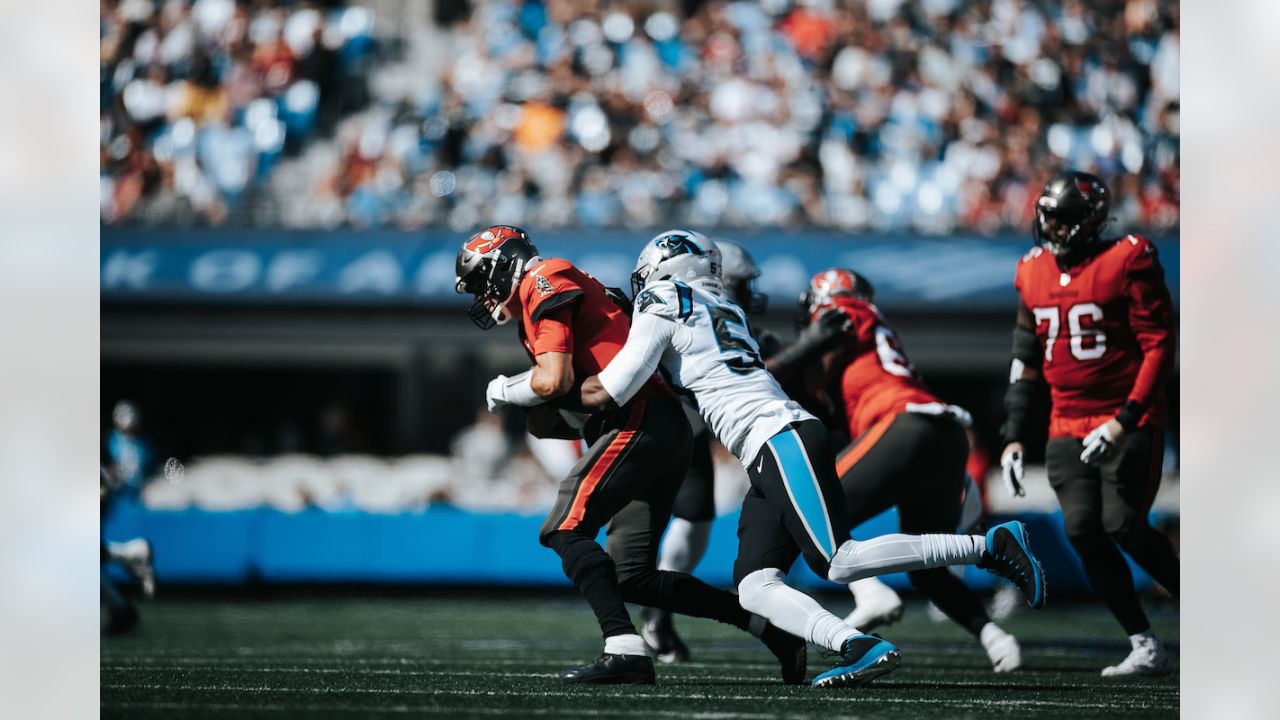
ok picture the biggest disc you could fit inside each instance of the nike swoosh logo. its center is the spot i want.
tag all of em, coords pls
(760, 465)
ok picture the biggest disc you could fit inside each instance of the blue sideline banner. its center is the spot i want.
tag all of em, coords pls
(444, 545)
(910, 272)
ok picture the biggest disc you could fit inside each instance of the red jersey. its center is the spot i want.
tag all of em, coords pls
(1105, 328)
(880, 381)
(566, 310)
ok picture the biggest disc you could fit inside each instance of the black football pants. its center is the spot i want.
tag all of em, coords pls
(1106, 506)
(628, 479)
(917, 463)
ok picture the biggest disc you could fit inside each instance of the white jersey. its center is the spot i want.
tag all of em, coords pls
(701, 341)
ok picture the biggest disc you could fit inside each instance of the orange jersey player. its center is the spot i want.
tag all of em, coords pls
(1095, 323)
(638, 453)
(909, 450)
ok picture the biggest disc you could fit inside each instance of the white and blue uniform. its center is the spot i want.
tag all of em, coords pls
(701, 342)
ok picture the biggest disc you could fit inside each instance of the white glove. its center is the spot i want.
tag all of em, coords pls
(1099, 444)
(496, 395)
(1012, 472)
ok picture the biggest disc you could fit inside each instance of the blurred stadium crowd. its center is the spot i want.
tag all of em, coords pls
(923, 115)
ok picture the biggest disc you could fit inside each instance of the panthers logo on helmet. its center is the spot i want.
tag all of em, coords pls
(678, 244)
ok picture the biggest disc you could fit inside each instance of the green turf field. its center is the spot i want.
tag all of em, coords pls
(497, 653)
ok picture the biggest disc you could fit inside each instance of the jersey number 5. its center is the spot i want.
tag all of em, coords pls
(1075, 325)
(742, 346)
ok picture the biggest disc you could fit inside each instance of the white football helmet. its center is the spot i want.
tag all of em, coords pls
(738, 272)
(682, 255)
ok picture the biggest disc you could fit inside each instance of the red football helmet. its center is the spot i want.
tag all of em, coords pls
(490, 266)
(832, 283)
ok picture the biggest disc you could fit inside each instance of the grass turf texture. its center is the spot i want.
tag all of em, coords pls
(495, 653)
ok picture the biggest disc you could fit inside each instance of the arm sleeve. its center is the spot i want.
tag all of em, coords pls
(1151, 320)
(633, 365)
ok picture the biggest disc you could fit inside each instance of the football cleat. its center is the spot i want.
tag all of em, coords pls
(611, 669)
(791, 651)
(1009, 556)
(1148, 657)
(877, 604)
(660, 636)
(137, 558)
(862, 659)
(121, 620)
(1002, 648)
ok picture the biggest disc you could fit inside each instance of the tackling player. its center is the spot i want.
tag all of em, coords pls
(909, 448)
(628, 477)
(1096, 324)
(683, 321)
(689, 533)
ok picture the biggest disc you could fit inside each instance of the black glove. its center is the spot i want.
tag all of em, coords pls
(815, 338)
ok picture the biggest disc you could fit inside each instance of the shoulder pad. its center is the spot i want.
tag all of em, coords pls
(664, 299)
(1032, 254)
(549, 285)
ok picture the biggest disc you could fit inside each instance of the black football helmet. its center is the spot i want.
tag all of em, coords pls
(1070, 213)
(490, 266)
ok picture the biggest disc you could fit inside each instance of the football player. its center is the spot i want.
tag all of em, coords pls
(909, 448)
(684, 322)
(690, 531)
(687, 537)
(638, 452)
(1095, 323)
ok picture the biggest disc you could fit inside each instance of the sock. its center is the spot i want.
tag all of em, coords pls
(897, 552)
(1143, 638)
(866, 588)
(629, 644)
(684, 545)
(765, 593)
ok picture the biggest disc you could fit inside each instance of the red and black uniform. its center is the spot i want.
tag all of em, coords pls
(629, 476)
(909, 449)
(1104, 342)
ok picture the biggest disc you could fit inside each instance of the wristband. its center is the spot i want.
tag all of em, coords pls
(1018, 400)
(518, 390)
(1130, 415)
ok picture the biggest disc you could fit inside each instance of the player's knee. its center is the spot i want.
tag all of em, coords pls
(755, 586)
(1089, 540)
(1127, 531)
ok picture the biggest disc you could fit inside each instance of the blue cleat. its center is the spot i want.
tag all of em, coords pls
(1009, 556)
(862, 659)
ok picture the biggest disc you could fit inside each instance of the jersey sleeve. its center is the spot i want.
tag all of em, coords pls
(652, 329)
(1150, 318)
(553, 332)
(547, 288)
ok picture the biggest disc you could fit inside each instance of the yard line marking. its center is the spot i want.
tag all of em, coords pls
(451, 710)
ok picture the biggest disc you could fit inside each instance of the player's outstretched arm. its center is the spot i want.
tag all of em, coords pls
(630, 369)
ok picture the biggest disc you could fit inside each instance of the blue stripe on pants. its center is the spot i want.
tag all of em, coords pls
(802, 487)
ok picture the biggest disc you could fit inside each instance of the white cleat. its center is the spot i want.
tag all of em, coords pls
(1002, 648)
(877, 604)
(136, 557)
(1005, 602)
(1148, 657)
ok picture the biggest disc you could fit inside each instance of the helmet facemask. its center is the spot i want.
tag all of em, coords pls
(493, 283)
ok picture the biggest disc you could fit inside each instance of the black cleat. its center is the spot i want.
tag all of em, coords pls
(791, 651)
(1009, 556)
(121, 621)
(613, 670)
(659, 634)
